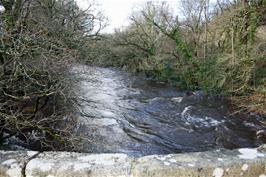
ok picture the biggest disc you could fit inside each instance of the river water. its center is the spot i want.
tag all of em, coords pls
(120, 112)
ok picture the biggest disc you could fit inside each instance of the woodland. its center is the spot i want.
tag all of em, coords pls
(218, 48)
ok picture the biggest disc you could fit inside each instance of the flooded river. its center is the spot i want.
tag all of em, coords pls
(125, 113)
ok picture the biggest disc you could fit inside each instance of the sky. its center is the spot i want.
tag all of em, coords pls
(118, 11)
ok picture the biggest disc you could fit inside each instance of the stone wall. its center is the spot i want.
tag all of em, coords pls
(219, 163)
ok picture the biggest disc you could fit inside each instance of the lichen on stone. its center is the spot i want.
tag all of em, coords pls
(247, 153)
(218, 172)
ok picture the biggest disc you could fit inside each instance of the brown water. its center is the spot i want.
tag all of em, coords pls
(125, 113)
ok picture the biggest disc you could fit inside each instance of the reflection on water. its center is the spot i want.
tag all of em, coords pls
(120, 112)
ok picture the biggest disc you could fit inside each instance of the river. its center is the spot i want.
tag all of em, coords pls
(120, 112)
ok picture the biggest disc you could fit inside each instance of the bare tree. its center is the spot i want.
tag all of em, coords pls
(193, 12)
(40, 39)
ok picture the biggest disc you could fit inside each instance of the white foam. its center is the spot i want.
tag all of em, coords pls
(177, 99)
(185, 111)
(198, 121)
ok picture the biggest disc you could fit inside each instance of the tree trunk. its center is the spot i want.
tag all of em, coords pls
(206, 29)
(245, 4)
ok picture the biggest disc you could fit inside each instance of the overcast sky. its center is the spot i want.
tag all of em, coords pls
(118, 11)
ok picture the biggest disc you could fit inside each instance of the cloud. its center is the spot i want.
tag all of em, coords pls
(118, 11)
